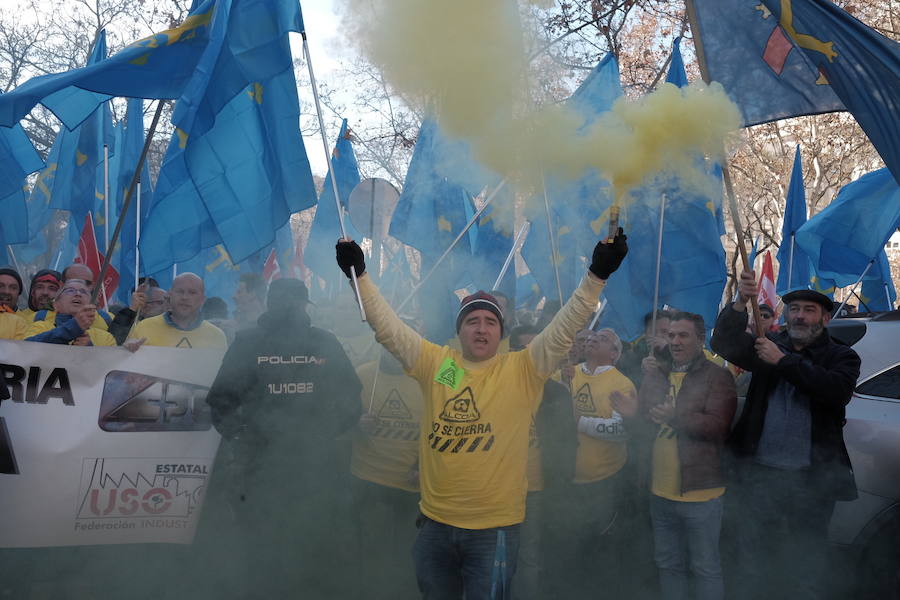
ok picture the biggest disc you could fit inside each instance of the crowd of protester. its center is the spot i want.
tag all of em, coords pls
(551, 462)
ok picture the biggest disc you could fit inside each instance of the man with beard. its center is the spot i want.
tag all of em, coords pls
(790, 459)
(44, 286)
(12, 326)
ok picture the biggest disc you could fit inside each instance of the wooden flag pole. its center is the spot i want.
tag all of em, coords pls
(726, 175)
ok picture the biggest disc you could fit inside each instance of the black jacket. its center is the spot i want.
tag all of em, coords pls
(826, 371)
(285, 384)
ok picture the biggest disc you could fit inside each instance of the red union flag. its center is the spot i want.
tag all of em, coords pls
(767, 283)
(271, 270)
(89, 256)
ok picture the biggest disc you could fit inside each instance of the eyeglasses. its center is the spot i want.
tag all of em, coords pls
(155, 302)
(74, 292)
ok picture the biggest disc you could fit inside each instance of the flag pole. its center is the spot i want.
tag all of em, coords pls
(106, 198)
(599, 312)
(691, 11)
(887, 295)
(659, 244)
(337, 196)
(12, 256)
(790, 279)
(137, 237)
(441, 258)
(554, 251)
(856, 285)
(510, 256)
(127, 202)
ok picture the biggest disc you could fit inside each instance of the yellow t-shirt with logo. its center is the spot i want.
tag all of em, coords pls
(160, 333)
(388, 454)
(474, 436)
(598, 459)
(666, 478)
(474, 446)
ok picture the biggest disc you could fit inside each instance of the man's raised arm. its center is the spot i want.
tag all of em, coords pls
(551, 345)
(399, 338)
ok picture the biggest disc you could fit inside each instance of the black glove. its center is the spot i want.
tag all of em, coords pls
(607, 257)
(349, 254)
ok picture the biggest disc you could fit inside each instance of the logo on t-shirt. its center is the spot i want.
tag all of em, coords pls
(584, 400)
(461, 408)
(184, 343)
(394, 407)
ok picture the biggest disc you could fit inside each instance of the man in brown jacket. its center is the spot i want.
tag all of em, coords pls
(692, 401)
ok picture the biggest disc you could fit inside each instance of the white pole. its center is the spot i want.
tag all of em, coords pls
(337, 197)
(106, 198)
(599, 312)
(12, 256)
(510, 256)
(887, 295)
(441, 258)
(659, 244)
(56, 262)
(790, 278)
(137, 237)
(855, 285)
(554, 252)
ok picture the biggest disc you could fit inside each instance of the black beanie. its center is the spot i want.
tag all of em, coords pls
(480, 300)
(15, 275)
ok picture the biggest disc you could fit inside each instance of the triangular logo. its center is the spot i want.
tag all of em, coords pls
(584, 400)
(461, 408)
(184, 343)
(394, 407)
(447, 377)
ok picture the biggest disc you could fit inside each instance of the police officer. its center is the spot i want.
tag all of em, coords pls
(283, 395)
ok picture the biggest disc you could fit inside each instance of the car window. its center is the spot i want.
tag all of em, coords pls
(885, 385)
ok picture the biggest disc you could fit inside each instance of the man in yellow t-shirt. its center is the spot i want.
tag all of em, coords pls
(74, 322)
(601, 398)
(692, 400)
(384, 463)
(181, 326)
(477, 411)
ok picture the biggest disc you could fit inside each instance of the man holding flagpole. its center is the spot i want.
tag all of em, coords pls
(478, 407)
(791, 464)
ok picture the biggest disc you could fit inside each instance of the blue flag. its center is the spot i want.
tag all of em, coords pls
(78, 181)
(677, 75)
(18, 159)
(578, 208)
(858, 63)
(326, 229)
(845, 237)
(747, 51)
(791, 259)
(692, 264)
(127, 156)
(878, 293)
(429, 215)
(158, 66)
(236, 167)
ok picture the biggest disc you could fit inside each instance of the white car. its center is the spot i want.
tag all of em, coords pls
(866, 531)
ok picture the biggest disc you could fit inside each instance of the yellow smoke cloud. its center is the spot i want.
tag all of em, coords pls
(466, 60)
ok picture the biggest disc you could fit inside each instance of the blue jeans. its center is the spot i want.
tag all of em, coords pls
(451, 561)
(686, 536)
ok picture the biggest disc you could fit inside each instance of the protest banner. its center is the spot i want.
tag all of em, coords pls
(102, 446)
